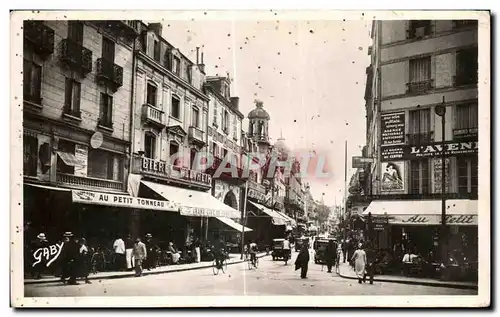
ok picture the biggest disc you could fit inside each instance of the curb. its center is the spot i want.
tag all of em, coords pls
(144, 273)
(410, 282)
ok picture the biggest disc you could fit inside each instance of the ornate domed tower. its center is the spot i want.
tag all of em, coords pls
(258, 126)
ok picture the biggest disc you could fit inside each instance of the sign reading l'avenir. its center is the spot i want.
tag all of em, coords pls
(412, 152)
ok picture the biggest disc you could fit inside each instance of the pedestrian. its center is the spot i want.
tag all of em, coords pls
(84, 261)
(197, 250)
(139, 253)
(39, 243)
(359, 259)
(330, 254)
(149, 260)
(70, 254)
(344, 249)
(302, 261)
(370, 261)
(129, 247)
(119, 253)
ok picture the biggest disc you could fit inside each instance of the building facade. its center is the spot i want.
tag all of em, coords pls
(77, 90)
(416, 66)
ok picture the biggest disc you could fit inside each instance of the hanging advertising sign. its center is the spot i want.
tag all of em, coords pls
(393, 128)
(414, 152)
(81, 155)
(438, 172)
(393, 177)
(105, 199)
(205, 212)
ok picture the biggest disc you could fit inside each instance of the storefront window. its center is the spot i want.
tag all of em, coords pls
(467, 175)
(106, 165)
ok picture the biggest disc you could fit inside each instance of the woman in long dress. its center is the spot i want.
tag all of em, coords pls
(359, 258)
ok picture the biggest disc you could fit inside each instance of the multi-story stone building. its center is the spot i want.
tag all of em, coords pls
(171, 116)
(77, 90)
(416, 66)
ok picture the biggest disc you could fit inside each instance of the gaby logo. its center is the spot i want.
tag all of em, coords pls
(49, 254)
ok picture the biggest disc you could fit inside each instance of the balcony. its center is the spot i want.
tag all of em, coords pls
(127, 28)
(76, 56)
(419, 30)
(420, 138)
(80, 181)
(110, 73)
(153, 116)
(465, 79)
(40, 36)
(419, 87)
(196, 135)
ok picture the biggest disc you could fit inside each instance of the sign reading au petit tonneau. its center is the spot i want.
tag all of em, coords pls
(412, 152)
(393, 128)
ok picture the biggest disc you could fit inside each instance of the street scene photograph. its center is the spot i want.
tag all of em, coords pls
(256, 154)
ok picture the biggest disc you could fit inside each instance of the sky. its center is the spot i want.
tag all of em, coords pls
(310, 76)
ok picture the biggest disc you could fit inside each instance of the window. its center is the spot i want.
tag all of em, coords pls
(466, 116)
(157, 50)
(466, 67)
(108, 50)
(193, 153)
(30, 154)
(419, 129)
(105, 165)
(188, 71)
(176, 109)
(224, 153)
(419, 29)
(75, 31)
(149, 145)
(32, 82)
(467, 175)
(176, 67)
(214, 149)
(66, 147)
(420, 75)
(458, 24)
(195, 120)
(225, 121)
(72, 98)
(144, 41)
(168, 59)
(419, 177)
(174, 149)
(151, 95)
(215, 123)
(106, 111)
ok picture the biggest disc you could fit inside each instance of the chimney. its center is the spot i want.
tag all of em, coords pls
(235, 101)
(156, 28)
(197, 55)
(202, 66)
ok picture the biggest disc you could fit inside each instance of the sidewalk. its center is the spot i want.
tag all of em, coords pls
(233, 259)
(347, 272)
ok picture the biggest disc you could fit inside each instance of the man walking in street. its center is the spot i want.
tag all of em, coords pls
(119, 249)
(330, 254)
(344, 249)
(139, 253)
(129, 247)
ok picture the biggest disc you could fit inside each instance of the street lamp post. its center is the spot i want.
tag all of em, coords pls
(441, 111)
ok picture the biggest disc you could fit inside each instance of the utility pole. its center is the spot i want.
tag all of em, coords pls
(441, 111)
(243, 219)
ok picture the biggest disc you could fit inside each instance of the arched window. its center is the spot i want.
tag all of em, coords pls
(149, 145)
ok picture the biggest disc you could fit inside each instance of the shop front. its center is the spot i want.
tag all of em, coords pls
(400, 227)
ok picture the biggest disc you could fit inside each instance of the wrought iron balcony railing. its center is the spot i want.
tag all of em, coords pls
(419, 87)
(420, 138)
(110, 72)
(76, 56)
(40, 36)
(80, 181)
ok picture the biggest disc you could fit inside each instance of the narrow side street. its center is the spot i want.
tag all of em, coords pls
(271, 278)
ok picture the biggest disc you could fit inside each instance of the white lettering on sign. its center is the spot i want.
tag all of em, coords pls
(86, 197)
(205, 212)
(50, 254)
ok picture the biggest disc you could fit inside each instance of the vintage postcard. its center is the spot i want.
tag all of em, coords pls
(250, 158)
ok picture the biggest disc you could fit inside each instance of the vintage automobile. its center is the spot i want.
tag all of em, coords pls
(299, 242)
(320, 248)
(279, 252)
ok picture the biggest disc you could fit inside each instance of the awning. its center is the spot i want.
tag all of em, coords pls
(68, 158)
(194, 203)
(233, 224)
(49, 187)
(290, 221)
(277, 219)
(460, 212)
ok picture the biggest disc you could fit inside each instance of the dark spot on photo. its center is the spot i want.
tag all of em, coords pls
(311, 31)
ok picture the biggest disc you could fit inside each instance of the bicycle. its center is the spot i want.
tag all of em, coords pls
(254, 263)
(222, 266)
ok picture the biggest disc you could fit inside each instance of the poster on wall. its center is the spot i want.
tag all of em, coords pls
(393, 177)
(437, 175)
(393, 128)
(81, 155)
